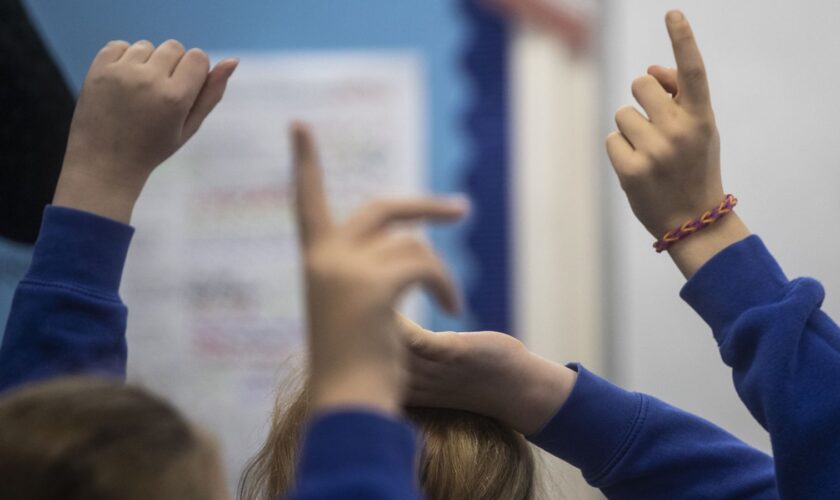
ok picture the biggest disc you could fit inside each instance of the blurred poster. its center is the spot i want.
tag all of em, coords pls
(212, 280)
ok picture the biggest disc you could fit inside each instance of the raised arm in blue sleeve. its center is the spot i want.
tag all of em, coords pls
(66, 316)
(631, 446)
(785, 358)
(357, 455)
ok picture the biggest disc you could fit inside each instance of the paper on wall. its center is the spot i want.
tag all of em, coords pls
(212, 279)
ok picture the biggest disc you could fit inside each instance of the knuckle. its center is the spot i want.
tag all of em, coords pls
(705, 127)
(629, 181)
(612, 139)
(169, 101)
(672, 114)
(640, 83)
(627, 185)
(655, 168)
(680, 135)
(174, 44)
(199, 56)
(173, 96)
(661, 153)
(132, 80)
(116, 44)
(103, 77)
(623, 110)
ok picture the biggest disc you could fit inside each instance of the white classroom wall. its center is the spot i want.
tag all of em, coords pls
(774, 80)
(604, 296)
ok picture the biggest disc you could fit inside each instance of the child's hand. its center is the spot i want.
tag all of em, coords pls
(138, 105)
(668, 163)
(355, 273)
(488, 373)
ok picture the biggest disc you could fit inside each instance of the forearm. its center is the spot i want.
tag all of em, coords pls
(67, 316)
(785, 356)
(634, 446)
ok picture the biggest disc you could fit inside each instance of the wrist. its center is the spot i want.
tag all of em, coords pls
(80, 189)
(701, 202)
(362, 388)
(546, 386)
(691, 253)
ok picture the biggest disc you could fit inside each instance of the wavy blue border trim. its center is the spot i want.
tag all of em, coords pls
(485, 61)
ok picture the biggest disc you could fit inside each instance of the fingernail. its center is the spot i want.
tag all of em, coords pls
(675, 16)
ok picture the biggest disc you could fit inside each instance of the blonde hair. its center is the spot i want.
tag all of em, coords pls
(92, 439)
(465, 456)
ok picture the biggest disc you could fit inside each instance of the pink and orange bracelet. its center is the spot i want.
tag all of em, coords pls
(692, 226)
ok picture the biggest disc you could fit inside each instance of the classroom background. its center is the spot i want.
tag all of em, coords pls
(505, 101)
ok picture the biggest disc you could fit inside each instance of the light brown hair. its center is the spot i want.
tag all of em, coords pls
(92, 439)
(464, 457)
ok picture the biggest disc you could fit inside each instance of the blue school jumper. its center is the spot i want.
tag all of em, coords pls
(67, 318)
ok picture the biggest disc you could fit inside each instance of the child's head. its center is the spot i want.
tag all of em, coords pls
(85, 438)
(465, 456)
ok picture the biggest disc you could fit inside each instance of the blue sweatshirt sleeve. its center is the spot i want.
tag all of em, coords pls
(357, 455)
(631, 446)
(785, 358)
(66, 315)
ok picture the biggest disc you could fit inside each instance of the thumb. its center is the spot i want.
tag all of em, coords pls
(210, 95)
(420, 341)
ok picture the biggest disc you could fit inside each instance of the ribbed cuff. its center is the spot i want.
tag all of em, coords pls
(595, 427)
(741, 276)
(80, 249)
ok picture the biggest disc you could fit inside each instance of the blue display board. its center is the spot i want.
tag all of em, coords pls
(464, 51)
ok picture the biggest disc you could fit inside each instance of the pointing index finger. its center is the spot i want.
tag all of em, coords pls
(313, 214)
(691, 72)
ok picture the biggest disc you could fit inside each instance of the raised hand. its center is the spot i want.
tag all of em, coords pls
(138, 105)
(668, 159)
(354, 274)
(488, 373)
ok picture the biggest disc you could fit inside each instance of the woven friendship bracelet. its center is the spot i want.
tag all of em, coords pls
(692, 226)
